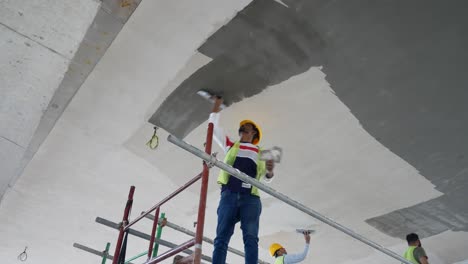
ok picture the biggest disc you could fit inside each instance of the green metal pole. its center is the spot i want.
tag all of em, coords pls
(158, 236)
(156, 245)
(137, 256)
(106, 253)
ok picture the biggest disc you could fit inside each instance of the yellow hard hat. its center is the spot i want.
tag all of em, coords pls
(274, 247)
(257, 139)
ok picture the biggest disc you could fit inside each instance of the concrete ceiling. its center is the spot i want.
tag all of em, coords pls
(366, 100)
(36, 89)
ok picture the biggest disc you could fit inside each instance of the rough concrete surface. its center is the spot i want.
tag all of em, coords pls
(396, 65)
(38, 40)
(366, 99)
(109, 20)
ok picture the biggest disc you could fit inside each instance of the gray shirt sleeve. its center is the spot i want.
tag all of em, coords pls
(418, 253)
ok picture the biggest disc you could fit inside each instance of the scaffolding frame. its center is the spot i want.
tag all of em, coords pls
(206, 239)
(211, 160)
(147, 237)
(158, 240)
(126, 224)
(197, 241)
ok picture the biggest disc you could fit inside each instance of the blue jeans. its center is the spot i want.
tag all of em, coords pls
(234, 207)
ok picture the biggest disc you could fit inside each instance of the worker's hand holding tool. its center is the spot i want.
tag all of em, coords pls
(307, 237)
(218, 101)
(270, 165)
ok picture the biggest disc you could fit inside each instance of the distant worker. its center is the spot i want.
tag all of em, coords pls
(282, 257)
(183, 260)
(239, 200)
(415, 252)
(177, 259)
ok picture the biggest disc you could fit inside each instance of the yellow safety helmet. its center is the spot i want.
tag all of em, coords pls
(275, 247)
(256, 140)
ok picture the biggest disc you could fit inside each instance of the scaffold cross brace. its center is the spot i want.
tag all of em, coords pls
(212, 161)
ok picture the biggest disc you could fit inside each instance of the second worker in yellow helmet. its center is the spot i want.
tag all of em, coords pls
(282, 257)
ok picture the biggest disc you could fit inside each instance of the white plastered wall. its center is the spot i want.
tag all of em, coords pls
(38, 39)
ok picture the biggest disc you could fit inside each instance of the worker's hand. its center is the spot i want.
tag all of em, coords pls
(270, 165)
(307, 237)
(218, 101)
(164, 222)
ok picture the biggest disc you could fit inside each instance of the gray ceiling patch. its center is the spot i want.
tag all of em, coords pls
(263, 45)
(399, 66)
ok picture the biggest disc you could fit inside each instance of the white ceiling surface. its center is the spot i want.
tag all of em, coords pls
(96, 151)
(38, 38)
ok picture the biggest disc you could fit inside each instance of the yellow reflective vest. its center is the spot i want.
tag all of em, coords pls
(231, 155)
(279, 260)
(409, 255)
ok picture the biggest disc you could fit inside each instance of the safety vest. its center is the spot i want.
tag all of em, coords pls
(231, 155)
(409, 255)
(279, 260)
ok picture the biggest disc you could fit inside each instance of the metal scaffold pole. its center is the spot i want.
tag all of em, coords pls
(206, 239)
(153, 233)
(158, 235)
(105, 253)
(203, 194)
(209, 159)
(128, 208)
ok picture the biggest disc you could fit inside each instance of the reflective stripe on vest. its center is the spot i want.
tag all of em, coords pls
(279, 260)
(231, 155)
(409, 255)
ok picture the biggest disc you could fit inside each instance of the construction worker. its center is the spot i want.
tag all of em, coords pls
(282, 257)
(183, 260)
(239, 200)
(415, 253)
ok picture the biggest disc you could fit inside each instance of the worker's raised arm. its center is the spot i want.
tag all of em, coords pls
(218, 132)
(296, 258)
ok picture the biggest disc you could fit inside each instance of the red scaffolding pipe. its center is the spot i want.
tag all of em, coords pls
(171, 252)
(170, 196)
(128, 207)
(153, 233)
(202, 204)
(200, 220)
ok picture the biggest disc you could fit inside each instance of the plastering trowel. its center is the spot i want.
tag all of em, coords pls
(274, 154)
(208, 96)
(305, 231)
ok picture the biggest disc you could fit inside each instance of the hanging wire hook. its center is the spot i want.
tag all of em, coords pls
(154, 141)
(23, 256)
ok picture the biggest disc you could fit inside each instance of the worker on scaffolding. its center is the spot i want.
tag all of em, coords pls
(239, 200)
(415, 252)
(282, 257)
(182, 260)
